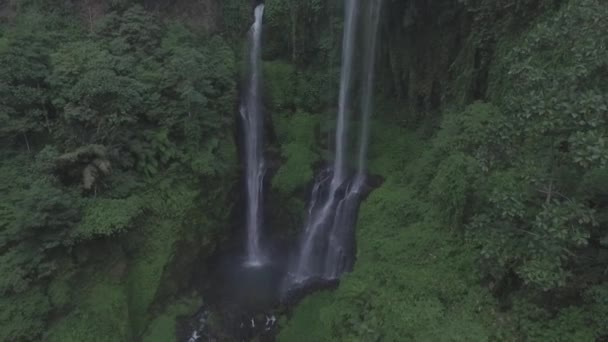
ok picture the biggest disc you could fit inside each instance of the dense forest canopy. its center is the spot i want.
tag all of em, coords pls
(120, 171)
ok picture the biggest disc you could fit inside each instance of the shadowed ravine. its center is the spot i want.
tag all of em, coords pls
(247, 294)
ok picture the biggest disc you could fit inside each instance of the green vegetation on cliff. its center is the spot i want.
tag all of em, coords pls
(490, 226)
(117, 147)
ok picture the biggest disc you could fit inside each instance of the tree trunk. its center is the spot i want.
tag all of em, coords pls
(27, 143)
(294, 25)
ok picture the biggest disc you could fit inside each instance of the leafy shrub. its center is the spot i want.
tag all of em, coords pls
(298, 148)
(100, 316)
(450, 188)
(108, 217)
(279, 86)
(23, 316)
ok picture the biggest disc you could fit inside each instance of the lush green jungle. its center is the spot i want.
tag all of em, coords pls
(119, 167)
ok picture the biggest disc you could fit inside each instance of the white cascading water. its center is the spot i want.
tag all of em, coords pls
(253, 129)
(371, 38)
(341, 238)
(348, 50)
(327, 246)
(320, 216)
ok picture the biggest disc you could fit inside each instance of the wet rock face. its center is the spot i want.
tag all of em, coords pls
(234, 326)
(294, 294)
(262, 326)
(243, 304)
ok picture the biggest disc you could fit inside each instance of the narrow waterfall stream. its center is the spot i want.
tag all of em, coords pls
(340, 252)
(253, 128)
(313, 246)
(327, 244)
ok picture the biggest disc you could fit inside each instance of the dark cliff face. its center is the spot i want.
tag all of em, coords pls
(7, 10)
(422, 39)
(438, 52)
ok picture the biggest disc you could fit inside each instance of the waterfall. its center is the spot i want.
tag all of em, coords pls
(341, 238)
(319, 217)
(348, 43)
(326, 248)
(371, 38)
(253, 129)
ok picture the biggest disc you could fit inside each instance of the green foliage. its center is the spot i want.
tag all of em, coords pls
(450, 187)
(36, 222)
(316, 90)
(288, 88)
(25, 66)
(107, 217)
(152, 254)
(236, 19)
(297, 170)
(524, 173)
(152, 246)
(95, 119)
(153, 152)
(597, 299)
(279, 85)
(392, 149)
(133, 31)
(60, 292)
(589, 149)
(537, 324)
(307, 316)
(100, 316)
(531, 219)
(297, 133)
(296, 29)
(566, 49)
(480, 131)
(162, 328)
(535, 243)
(92, 92)
(23, 315)
(412, 280)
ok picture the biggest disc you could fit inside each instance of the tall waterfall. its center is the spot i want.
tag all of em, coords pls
(371, 38)
(348, 49)
(326, 247)
(253, 129)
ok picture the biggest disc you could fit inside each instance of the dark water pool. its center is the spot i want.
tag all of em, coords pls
(246, 288)
(241, 302)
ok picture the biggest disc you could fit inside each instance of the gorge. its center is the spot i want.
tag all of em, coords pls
(303, 170)
(325, 248)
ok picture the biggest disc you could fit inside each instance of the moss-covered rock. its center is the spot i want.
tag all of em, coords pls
(163, 327)
(100, 315)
